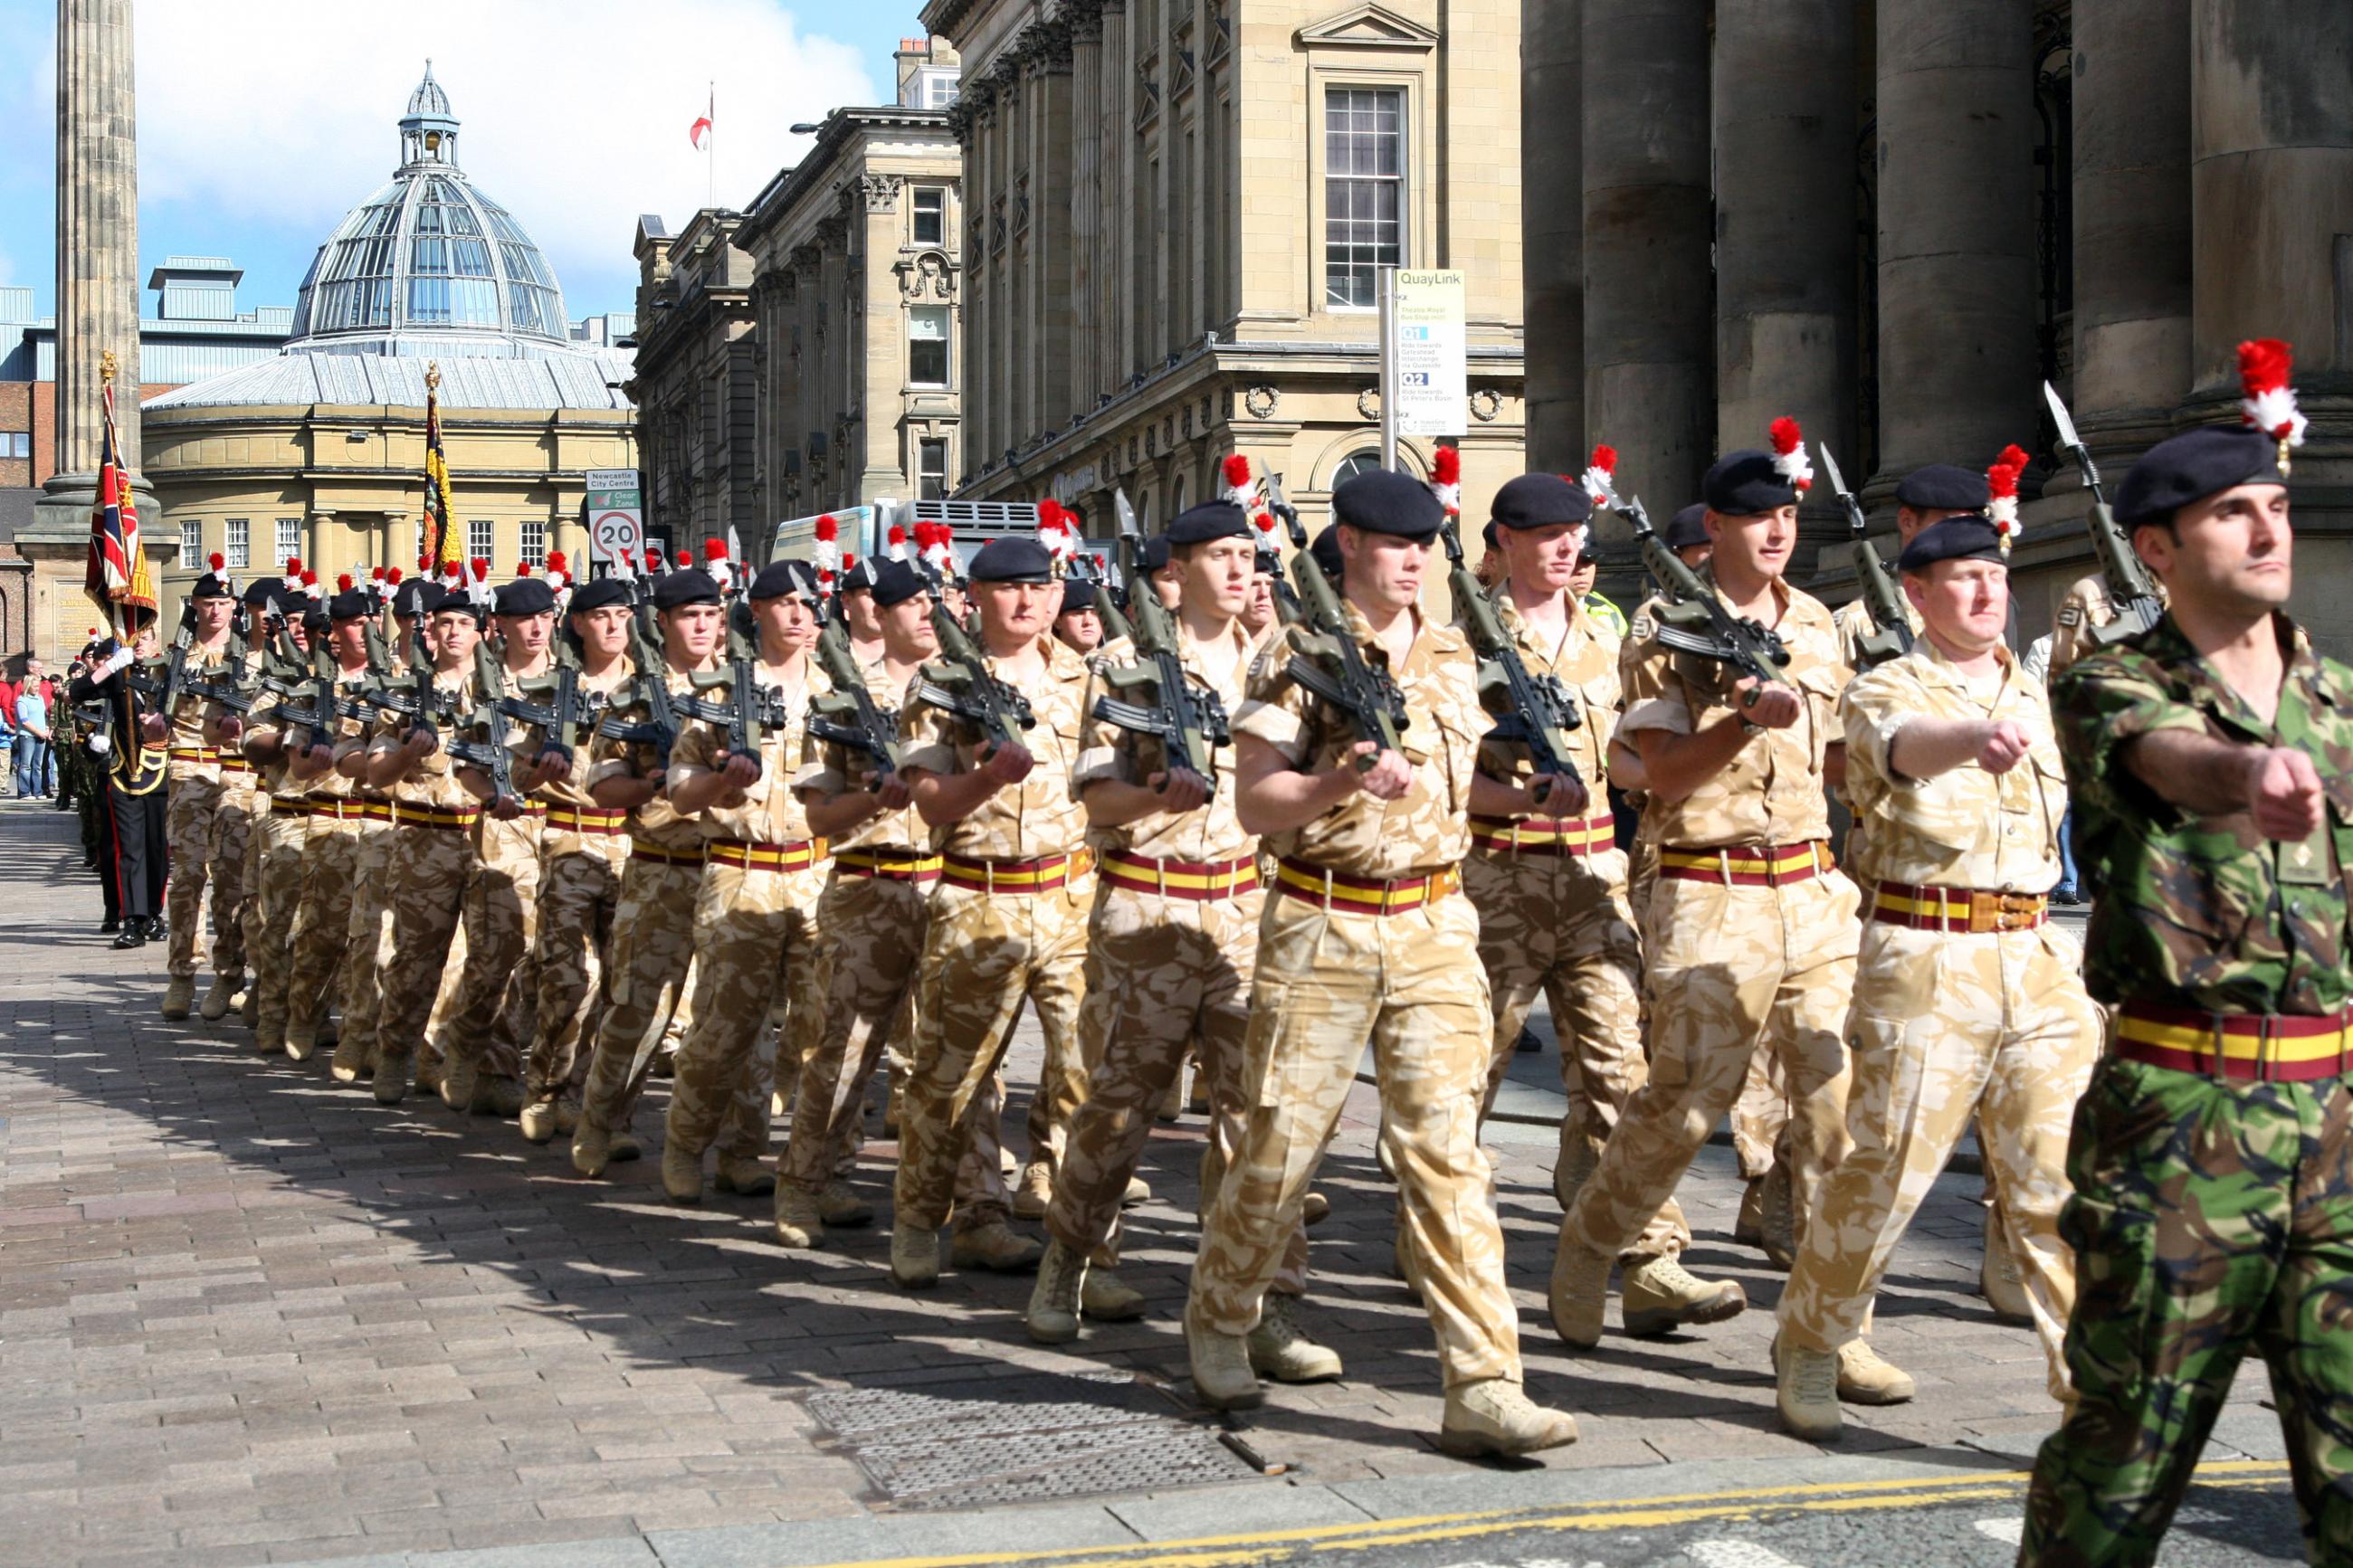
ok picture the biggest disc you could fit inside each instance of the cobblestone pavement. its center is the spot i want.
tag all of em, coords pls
(247, 1315)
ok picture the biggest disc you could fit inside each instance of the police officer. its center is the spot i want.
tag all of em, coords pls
(2211, 759)
(1967, 1004)
(1367, 939)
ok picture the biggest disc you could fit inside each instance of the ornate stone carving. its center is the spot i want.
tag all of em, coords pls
(881, 192)
(1368, 402)
(1261, 400)
(927, 274)
(1485, 404)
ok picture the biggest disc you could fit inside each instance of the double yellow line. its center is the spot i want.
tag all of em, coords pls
(1631, 1513)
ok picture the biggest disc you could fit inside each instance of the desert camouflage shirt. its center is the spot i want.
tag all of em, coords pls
(2205, 912)
(1036, 817)
(832, 769)
(654, 824)
(1212, 833)
(433, 780)
(771, 811)
(1585, 660)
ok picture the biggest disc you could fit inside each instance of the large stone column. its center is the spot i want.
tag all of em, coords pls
(1785, 205)
(1552, 225)
(1956, 279)
(1648, 386)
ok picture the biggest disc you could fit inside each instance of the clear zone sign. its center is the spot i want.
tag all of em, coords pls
(614, 514)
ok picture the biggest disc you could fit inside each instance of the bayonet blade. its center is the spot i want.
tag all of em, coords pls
(1838, 480)
(1126, 514)
(2068, 439)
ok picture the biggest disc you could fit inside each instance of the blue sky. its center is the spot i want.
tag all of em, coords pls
(261, 123)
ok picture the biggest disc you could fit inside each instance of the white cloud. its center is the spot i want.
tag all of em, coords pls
(573, 115)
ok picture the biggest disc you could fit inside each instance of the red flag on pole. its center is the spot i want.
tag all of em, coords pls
(114, 520)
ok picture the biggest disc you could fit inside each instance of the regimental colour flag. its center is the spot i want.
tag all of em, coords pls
(438, 539)
(114, 520)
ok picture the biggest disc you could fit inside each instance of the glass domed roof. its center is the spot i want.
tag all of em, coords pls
(429, 264)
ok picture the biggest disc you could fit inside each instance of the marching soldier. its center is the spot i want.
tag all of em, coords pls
(1364, 940)
(1551, 889)
(319, 941)
(194, 787)
(1927, 495)
(238, 821)
(757, 939)
(2212, 1157)
(1171, 945)
(368, 939)
(1009, 921)
(1753, 927)
(861, 615)
(1967, 1004)
(130, 742)
(1077, 625)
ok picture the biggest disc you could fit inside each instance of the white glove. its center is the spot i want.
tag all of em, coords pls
(122, 658)
(100, 743)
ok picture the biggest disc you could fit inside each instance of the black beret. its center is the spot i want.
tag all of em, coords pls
(1745, 483)
(1326, 550)
(1687, 527)
(1152, 554)
(780, 578)
(1269, 561)
(1541, 501)
(2192, 466)
(601, 593)
(285, 601)
(859, 579)
(1012, 560)
(415, 596)
(525, 596)
(211, 585)
(686, 585)
(351, 606)
(1382, 501)
(1078, 595)
(1937, 487)
(1211, 520)
(314, 621)
(895, 583)
(1965, 538)
(261, 593)
(1487, 535)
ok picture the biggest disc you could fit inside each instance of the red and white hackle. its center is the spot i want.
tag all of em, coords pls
(2270, 403)
(2003, 479)
(1790, 454)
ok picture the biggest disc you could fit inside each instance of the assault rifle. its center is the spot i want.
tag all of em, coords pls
(848, 715)
(1534, 711)
(567, 708)
(2131, 590)
(958, 682)
(491, 753)
(1693, 620)
(1190, 723)
(1333, 669)
(1892, 638)
(743, 713)
(659, 728)
(1115, 623)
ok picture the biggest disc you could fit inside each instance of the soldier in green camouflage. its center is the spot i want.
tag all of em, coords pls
(2210, 758)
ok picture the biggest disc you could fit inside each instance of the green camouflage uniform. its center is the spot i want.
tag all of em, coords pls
(2211, 1215)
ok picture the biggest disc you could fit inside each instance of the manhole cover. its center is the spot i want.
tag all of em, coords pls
(1022, 1439)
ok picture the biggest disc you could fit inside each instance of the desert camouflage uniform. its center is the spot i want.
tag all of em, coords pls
(192, 818)
(238, 819)
(273, 889)
(491, 1019)
(986, 952)
(2212, 1214)
(429, 863)
(1329, 979)
(1979, 1018)
(320, 936)
(1166, 971)
(756, 940)
(653, 927)
(1553, 915)
(1745, 957)
(367, 941)
(1852, 622)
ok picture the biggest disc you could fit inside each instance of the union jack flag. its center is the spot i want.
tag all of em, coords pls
(114, 520)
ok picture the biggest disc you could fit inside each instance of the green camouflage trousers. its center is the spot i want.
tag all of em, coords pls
(2208, 1219)
(577, 892)
(191, 833)
(322, 928)
(272, 897)
(236, 818)
(367, 945)
(653, 941)
(756, 953)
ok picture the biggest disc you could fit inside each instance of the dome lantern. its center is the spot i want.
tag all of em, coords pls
(428, 131)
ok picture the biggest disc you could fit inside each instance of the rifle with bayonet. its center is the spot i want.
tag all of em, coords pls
(659, 727)
(1692, 619)
(1333, 667)
(1893, 636)
(744, 713)
(165, 680)
(848, 716)
(958, 682)
(555, 703)
(1115, 624)
(1530, 711)
(1189, 723)
(492, 753)
(2132, 591)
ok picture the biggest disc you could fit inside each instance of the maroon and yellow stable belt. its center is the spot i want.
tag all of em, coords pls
(1042, 875)
(1200, 880)
(1960, 911)
(1748, 865)
(334, 808)
(409, 816)
(1311, 884)
(229, 764)
(570, 819)
(192, 753)
(374, 808)
(2270, 1048)
(889, 865)
(1545, 834)
(799, 854)
(641, 850)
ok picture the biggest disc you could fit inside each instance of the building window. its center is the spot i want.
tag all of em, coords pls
(927, 345)
(533, 551)
(931, 216)
(941, 89)
(289, 541)
(1364, 192)
(481, 540)
(19, 443)
(932, 469)
(192, 546)
(238, 546)
(1364, 462)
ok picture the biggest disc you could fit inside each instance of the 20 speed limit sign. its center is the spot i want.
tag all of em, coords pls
(616, 514)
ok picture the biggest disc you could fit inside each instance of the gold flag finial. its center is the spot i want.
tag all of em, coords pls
(106, 366)
(432, 375)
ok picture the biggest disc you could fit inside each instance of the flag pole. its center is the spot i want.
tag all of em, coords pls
(710, 145)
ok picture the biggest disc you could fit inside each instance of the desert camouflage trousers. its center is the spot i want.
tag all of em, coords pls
(190, 838)
(579, 886)
(322, 934)
(757, 956)
(1948, 1030)
(983, 956)
(367, 943)
(490, 1022)
(1164, 976)
(2209, 1219)
(273, 896)
(430, 869)
(653, 941)
(1411, 985)
(1732, 968)
(1558, 926)
(237, 819)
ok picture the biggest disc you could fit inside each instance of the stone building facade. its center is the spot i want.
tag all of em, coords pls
(802, 356)
(1896, 219)
(1175, 215)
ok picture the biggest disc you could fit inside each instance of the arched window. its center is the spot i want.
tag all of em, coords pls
(1176, 497)
(1354, 463)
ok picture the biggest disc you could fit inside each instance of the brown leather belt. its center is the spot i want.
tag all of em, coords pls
(1960, 911)
(2265, 1047)
(887, 865)
(1748, 865)
(798, 855)
(1042, 875)
(1311, 884)
(1201, 881)
(1545, 836)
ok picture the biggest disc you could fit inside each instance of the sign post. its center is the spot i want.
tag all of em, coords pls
(1426, 389)
(615, 515)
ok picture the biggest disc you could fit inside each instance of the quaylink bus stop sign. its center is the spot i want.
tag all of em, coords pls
(615, 515)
